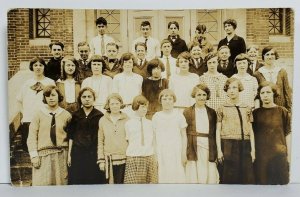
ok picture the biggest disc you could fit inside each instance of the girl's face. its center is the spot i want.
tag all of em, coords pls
(156, 72)
(140, 52)
(38, 68)
(114, 106)
(183, 64)
(69, 67)
(252, 54)
(233, 90)
(96, 68)
(142, 111)
(212, 64)
(242, 66)
(87, 99)
(196, 52)
(52, 99)
(167, 102)
(128, 65)
(270, 57)
(266, 95)
(200, 97)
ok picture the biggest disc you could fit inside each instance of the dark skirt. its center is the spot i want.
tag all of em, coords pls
(237, 167)
(84, 168)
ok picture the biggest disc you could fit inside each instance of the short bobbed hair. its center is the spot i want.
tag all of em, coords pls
(97, 58)
(113, 96)
(155, 63)
(210, 56)
(35, 60)
(166, 92)
(230, 21)
(273, 87)
(241, 57)
(138, 101)
(184, 55)
(126, 57)
(230, 81)
(63, 63)
(203, 87)
(267, 49)
(47, 91)
(81, 93)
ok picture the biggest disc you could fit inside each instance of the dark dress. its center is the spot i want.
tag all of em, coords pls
(53, 69)
(271, 166)
(151, 89)
(236, 45)
(83, 130)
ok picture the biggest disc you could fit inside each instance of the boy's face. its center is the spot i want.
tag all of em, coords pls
(183, 64)
(111, 51)
(201, 37)
(224, 54)
(166, 49)
(101, 29)
(84, 52)
(212, 64)
(56, 51)
(146, 30)
(52, 99)
(242, 66)
(233, 90)
(196, 52)
(140, 52)
(96, 68)
(228, 29)
(173, 30)
(252, 54)
(128, 65)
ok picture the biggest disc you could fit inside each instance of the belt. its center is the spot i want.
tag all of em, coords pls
(194, 133)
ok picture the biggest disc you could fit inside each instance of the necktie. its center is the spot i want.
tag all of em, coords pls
(142, 132)
(168, 68)
(102, 46)
(146, 41)
(251, 66)
(53, 129)
(141, 63)
(197, 63)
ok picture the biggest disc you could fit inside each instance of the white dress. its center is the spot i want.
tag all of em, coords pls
(169, 146)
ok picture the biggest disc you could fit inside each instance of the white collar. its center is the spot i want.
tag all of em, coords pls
(264, 70)
(246, 77)
(46, 111)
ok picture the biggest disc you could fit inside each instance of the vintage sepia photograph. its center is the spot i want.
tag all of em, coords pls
(200, 96)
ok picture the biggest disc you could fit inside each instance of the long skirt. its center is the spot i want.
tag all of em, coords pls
(237, 166)
(140, 170)
(84, 168)
(53, 169)
(202, 171)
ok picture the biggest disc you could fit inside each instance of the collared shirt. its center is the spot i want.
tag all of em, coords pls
(173, 68)
(250, 85)
(95, 44)
(230, 121)
(134, 136)
(153, 47)
(31, 100)
(127, 85)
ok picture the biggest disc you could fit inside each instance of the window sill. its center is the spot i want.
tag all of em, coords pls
(40, 42)
(279, 38)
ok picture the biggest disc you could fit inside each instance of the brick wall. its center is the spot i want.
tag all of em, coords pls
(19, 47)
(258, 32)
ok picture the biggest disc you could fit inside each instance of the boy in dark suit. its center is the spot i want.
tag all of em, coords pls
(197, 63)
(225, 66)
(53, 68)
(178, 44)
(84, 52)
(141, 67)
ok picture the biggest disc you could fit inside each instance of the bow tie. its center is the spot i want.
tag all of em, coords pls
(37, 87)
(173, 37)
(112, 60)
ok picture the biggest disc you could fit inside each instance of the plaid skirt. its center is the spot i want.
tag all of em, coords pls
(140, 170)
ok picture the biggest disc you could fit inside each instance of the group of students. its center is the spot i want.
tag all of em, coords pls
(197, 118)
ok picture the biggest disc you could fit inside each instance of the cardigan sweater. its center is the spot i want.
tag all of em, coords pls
(189, 115)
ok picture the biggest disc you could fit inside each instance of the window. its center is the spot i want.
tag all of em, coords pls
(39, 26)
(279, 21)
